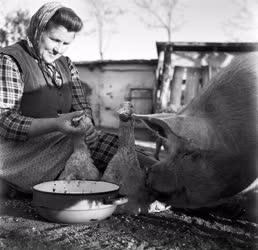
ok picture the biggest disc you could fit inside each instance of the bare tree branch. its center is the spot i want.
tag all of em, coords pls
(161, 14)
(104, 14)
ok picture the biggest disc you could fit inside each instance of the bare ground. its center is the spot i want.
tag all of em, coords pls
(231, 226)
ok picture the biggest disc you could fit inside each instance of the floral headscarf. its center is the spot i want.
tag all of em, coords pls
(37, 26)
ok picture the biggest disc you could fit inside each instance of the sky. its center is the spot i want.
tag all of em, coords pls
(203, 22)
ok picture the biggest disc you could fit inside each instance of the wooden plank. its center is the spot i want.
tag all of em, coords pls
(214, 71)
(156, 91)
(167, 73)
(205, 77)
(176, 86)
(208, 47)
(193, 77)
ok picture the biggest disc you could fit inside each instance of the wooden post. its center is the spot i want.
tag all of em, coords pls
(176, 86)
(192, 83)
(206, 75)
(156, 91)
(165, 80)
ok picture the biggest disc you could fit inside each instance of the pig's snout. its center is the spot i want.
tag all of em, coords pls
(160, 179)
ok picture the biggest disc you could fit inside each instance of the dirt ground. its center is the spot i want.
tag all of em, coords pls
(231, 226)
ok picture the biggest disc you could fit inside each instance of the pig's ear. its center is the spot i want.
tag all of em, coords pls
(196, 131)
(155, 123)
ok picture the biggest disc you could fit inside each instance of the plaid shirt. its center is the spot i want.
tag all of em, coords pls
(13, 125)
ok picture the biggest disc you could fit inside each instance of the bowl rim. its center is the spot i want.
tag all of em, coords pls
(76, 194)
(106, 206)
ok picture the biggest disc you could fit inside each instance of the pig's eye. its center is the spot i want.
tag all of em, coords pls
(209, 107)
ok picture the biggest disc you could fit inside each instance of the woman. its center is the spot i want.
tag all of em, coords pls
(40, 92)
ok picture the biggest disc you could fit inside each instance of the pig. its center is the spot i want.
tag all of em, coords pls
(211, 143)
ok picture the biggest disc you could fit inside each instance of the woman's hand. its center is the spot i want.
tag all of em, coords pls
(65, 125)
(71, 123)
(91, 136)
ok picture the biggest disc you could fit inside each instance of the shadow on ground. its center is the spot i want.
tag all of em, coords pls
(229, 226)
(225, 227)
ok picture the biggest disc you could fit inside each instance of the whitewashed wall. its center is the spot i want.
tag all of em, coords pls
(110, 83)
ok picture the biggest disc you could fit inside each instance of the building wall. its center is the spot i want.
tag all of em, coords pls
(108, 86)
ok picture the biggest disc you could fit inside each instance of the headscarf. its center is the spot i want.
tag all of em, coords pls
(39, 21)
(36, 27)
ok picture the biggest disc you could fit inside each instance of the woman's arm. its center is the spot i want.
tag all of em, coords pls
(79, 99)
(15, 126)
(62, 124)
(80, 102)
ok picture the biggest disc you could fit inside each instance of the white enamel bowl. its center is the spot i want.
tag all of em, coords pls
(76, 201)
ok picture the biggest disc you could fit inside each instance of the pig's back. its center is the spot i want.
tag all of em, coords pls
(230, 103)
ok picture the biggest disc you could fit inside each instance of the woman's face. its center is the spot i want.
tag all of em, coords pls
(54, 42)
